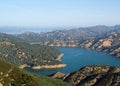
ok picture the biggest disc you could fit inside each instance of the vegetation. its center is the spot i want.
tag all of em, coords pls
(13, 76)
(20, 53)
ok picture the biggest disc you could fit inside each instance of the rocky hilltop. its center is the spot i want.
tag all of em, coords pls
(92, 76)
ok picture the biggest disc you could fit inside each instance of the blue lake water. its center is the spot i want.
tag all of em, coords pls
(76, 58)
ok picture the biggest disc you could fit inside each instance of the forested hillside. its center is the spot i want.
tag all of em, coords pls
(20, 53)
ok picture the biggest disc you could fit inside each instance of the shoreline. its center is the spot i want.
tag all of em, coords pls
(49, 66)
(59, 56)
(23, 66)
(43, 66)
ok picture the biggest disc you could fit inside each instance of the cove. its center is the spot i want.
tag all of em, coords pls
(76, 58)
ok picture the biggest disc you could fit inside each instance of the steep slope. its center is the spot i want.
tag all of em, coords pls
(13, 76)
(93, 76)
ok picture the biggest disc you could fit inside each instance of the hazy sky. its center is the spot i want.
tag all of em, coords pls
(59, 13)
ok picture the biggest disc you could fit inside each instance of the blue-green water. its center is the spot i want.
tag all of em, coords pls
(76, 58)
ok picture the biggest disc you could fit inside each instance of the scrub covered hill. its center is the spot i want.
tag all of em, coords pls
(20, 53)
(13, 76)
(95, 75)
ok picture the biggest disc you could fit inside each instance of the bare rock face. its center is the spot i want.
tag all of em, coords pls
(93, 76)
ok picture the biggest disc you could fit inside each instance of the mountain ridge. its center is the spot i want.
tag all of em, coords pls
(77, 33)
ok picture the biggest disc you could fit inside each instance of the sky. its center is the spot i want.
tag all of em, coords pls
(59, 13)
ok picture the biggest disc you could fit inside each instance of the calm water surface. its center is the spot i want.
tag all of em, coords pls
(76, 58)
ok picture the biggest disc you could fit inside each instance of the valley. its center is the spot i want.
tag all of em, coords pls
(59, 42)
(42, 52)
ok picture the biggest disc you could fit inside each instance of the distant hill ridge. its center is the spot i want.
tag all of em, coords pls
(101, 38)
(76, 33)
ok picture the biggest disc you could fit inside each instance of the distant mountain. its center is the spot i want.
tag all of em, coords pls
(72, 34)
(13, 76)
(92, 76)
(101, 38)
(4, 36)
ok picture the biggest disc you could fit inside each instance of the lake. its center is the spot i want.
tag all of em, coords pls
(76, 58)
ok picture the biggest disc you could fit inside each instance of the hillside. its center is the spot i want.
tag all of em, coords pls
(92, 76)
(13, 76)
(26, 55)
(101, 38)
(110, 43)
